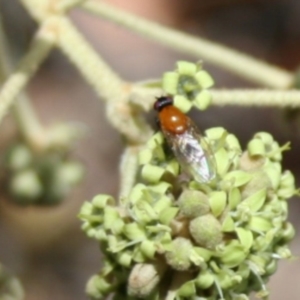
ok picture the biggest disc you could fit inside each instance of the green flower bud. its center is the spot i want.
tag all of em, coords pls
(193, 203)
(124, 258)
(188, 85)
(232, 254)
(265, 137)
(148, 249)
(206, 231)
(217, 240)
(205, 279)
(101, 201)
(26, 185)
(256, 147)
(179, 257)
(19, 158)
(71, 173)
(98, 287)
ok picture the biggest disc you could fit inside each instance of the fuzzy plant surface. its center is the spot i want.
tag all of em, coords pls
(177, 238)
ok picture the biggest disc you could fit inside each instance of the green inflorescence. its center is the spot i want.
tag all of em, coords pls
(174, 238)
(188, 85)
(44, 178)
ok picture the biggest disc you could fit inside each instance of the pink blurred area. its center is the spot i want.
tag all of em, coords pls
(46, 249)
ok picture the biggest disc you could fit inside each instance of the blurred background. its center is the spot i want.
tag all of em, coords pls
(44, 247)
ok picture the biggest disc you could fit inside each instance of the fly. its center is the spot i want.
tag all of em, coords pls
(184, 138)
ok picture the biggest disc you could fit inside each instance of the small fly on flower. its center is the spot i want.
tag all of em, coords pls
(184, 138)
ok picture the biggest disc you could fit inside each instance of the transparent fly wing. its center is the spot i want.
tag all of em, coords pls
(193, 153)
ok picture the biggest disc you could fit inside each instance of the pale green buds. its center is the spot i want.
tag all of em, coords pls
(44, 177)
(196, 241)
(179, 255)
(188, 85)
(206, 231)
(26, 185)
(193, 203)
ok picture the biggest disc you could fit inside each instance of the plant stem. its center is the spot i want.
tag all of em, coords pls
(241, 64)
(95, 70)
(128, 170)
(144, 97)
(105, 81)
(23, 111)
(42, 44)
(262, 98)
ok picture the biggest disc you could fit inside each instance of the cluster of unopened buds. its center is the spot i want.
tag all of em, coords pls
(179, 234)
(44, 176)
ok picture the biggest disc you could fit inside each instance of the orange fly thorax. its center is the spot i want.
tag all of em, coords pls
(171, 119)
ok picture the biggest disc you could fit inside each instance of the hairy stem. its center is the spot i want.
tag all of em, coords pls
(24, 113)
(241, 64)
(144, 97)
(105, 81)
(42, 44)
(128, 170)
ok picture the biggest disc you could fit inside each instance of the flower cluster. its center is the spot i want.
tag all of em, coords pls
(39, 178)
(175, 238)
(188, 85)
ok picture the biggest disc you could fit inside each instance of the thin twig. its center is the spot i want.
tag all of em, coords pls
(42, 44)
(261, 98)
(241, 64)
(94, 69)
(24, 113)
(108, 85)
(144, 97)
